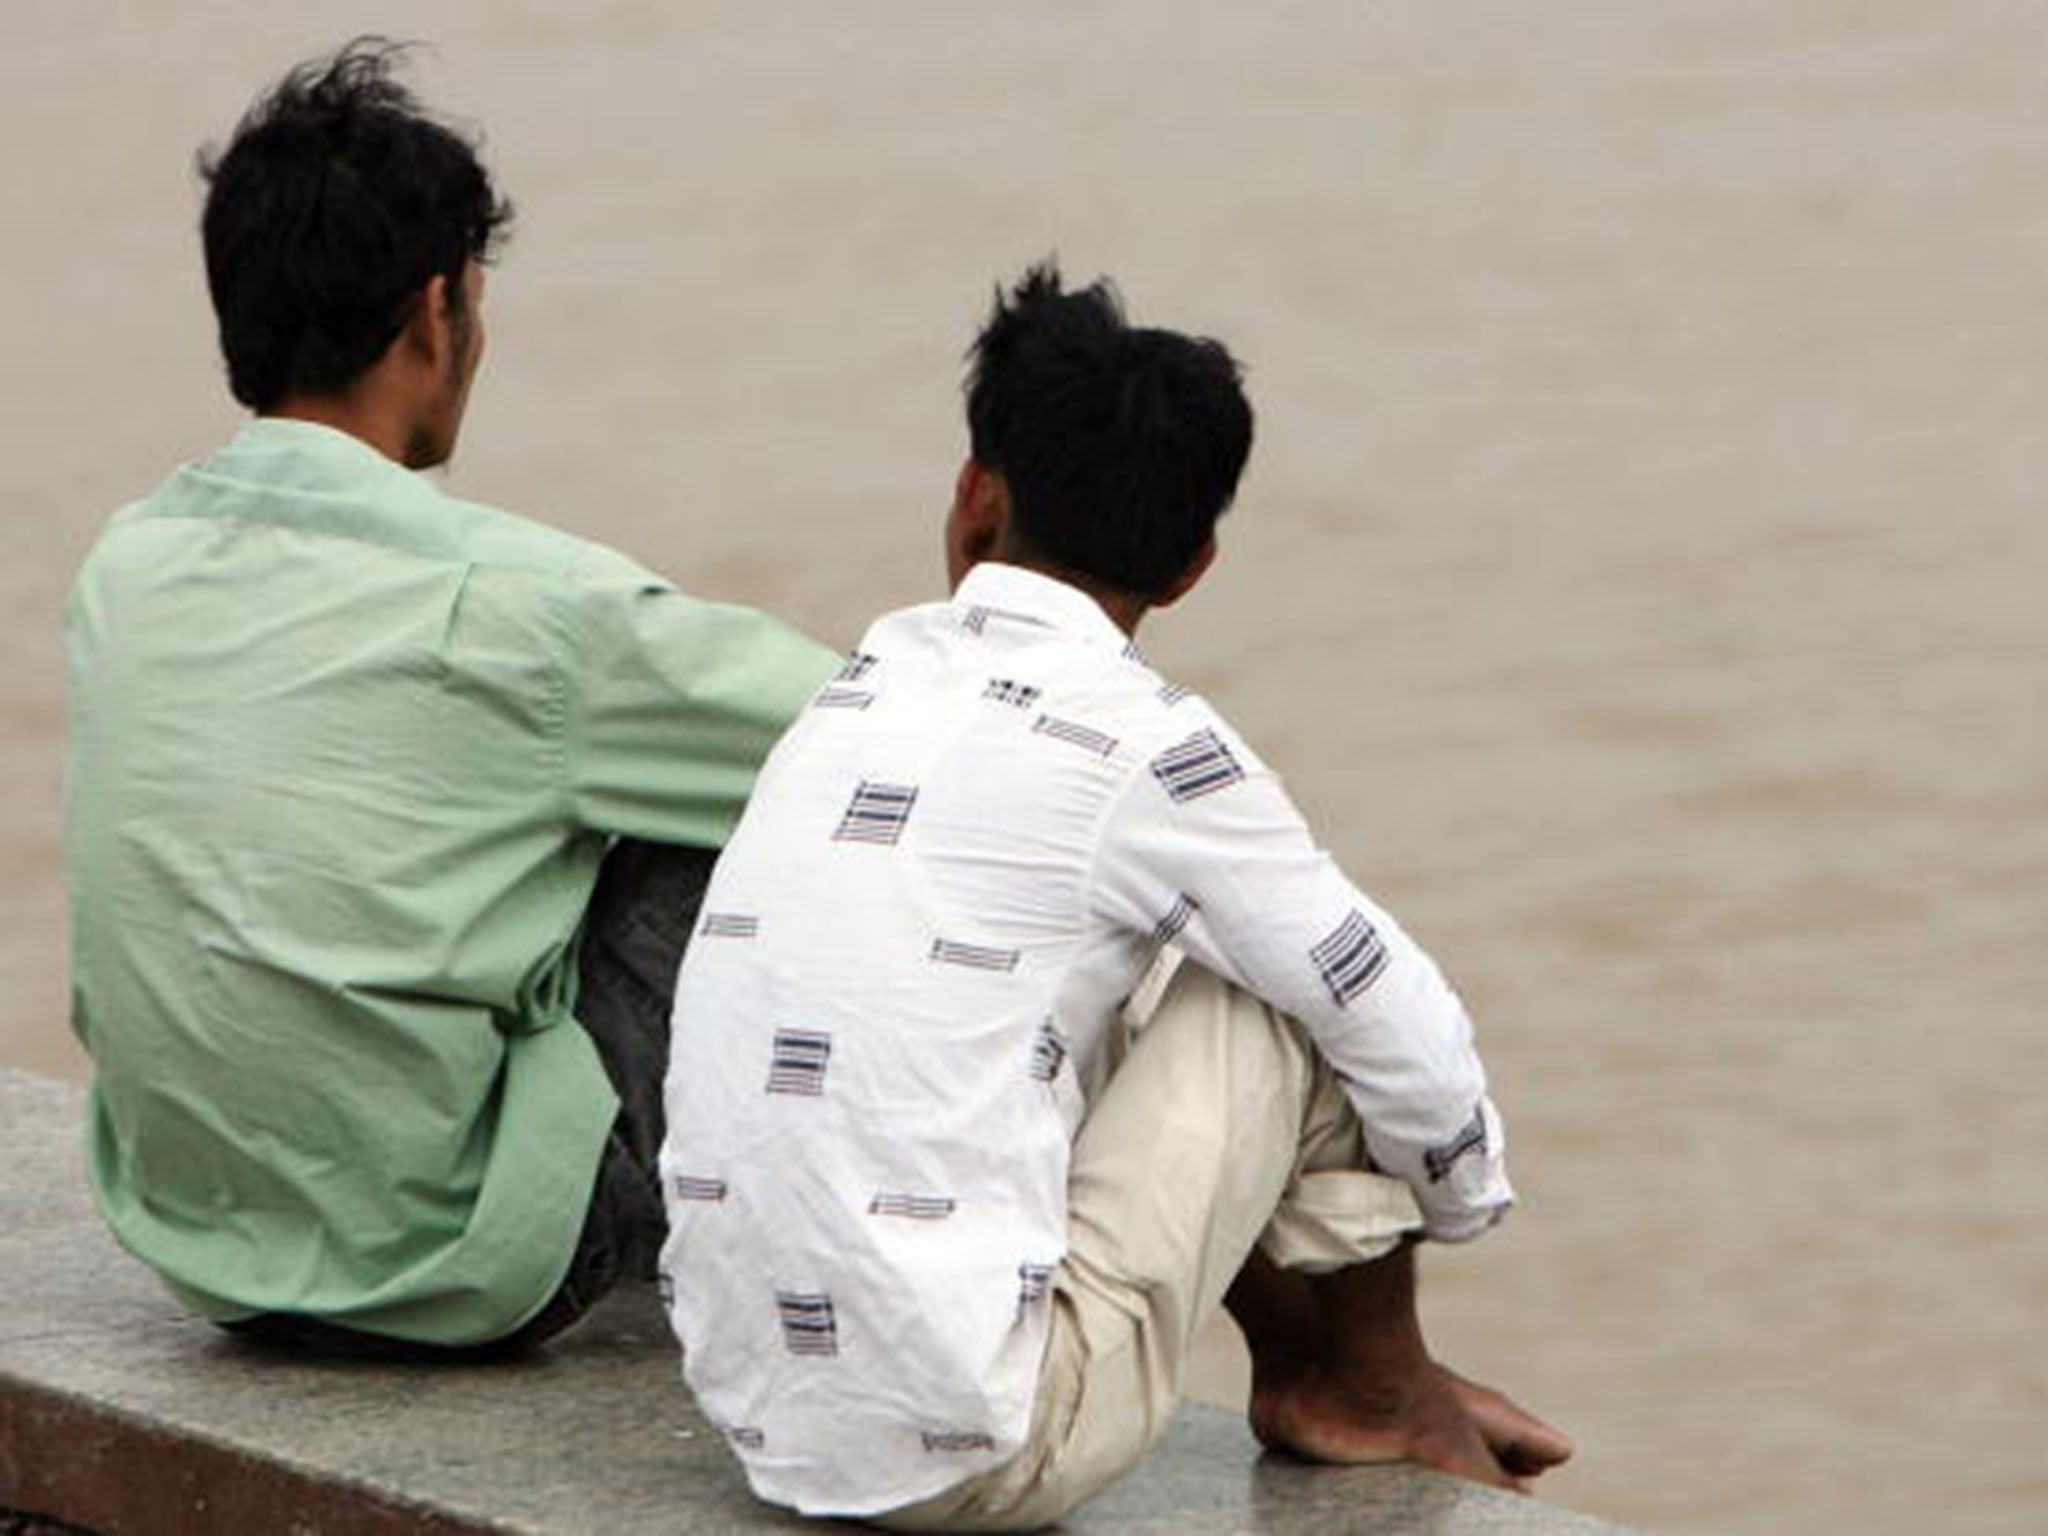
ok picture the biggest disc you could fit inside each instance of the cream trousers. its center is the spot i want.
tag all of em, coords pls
(1220, 1128)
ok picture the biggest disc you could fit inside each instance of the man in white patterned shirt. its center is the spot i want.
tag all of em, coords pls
(961, 1154)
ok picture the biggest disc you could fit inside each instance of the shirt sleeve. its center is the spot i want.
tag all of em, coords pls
(672, 704)
(1204, 848)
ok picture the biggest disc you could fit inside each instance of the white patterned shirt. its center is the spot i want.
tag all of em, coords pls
(953, 870)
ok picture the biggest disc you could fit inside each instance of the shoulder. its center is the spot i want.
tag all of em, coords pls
(1182, 746)
(494, 539)
(1166, 719)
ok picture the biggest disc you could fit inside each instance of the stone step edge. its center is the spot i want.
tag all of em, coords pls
(112, 1472)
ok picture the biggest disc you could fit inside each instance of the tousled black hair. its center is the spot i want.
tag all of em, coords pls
(1121, 446)
(334, 203)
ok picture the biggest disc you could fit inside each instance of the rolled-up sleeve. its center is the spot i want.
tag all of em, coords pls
(672, 704)
(1205, 848)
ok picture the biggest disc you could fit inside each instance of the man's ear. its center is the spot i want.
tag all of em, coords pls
(1184, 583)
(979, 518)
(430, 329)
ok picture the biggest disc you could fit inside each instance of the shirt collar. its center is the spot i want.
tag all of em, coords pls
(298, 474)
(296, 435)
(287, 450)
(1014, 589)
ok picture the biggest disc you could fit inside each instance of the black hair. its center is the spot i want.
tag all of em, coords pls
(335, 202)
(1121, 446)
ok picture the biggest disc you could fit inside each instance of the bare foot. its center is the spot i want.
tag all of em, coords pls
(1340, 1373)
(1523, 1444)
(1422, 1416)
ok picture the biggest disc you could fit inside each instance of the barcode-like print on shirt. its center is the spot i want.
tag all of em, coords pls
(1171, 694)
(976, 957)
(1438, 1160)
(1034, 1283)
(1171, 926)
(808, 1327)
(1048, 1051)
(799, 1061)
(746, 1437)
(975, 620)
(843, 698)
(1351, 958)
(912, 1207)
(1008, 691)
(857, 666)
(1199, 766)
(958, 1440)
(1085, 737)
(690, 1187)
(729, 925)
(877, 813)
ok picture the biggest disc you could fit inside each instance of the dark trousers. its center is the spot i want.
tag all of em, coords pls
(638, 924)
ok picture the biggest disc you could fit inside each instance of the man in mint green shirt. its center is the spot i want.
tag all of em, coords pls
(347, 755)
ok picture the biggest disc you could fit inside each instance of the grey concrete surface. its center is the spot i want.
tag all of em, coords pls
(119, 1413)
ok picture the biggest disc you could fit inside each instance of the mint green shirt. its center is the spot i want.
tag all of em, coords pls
(346, 753)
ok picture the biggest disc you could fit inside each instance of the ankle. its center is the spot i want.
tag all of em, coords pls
(1379, 1356)
(1275, 1310)
(1370, 1323)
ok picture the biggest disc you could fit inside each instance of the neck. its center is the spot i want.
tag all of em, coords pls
(370, 416)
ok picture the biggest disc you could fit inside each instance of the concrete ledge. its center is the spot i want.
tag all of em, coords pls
(120, 1414)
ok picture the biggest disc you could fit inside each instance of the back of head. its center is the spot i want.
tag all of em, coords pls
(1121, 446)
(333, 204)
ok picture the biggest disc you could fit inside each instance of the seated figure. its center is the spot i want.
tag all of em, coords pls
(1026, 1025)
(370, 788)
